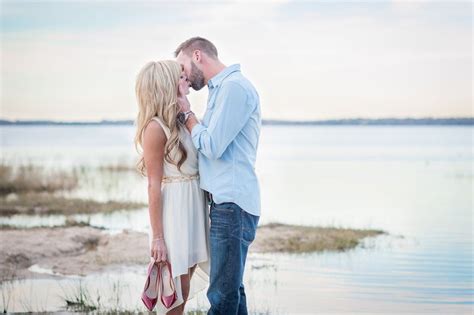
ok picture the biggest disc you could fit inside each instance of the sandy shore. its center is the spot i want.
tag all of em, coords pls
(80, 250)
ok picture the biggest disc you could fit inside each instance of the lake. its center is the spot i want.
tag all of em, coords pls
(415, 182)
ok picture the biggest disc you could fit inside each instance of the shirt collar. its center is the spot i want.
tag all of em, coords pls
(218, 78)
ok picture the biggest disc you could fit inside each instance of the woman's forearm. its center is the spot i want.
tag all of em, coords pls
(155, 210)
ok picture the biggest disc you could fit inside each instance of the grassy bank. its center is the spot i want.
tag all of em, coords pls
(277, 237)
(33, 179)
(34, 203)
(30, 189)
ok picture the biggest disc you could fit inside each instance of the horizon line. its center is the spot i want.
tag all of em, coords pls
(465, 120)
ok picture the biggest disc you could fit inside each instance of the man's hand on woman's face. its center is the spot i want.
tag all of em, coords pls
(183, 103)
(183, 85)
(183, 90)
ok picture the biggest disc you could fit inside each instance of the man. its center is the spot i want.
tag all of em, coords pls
(227, 141)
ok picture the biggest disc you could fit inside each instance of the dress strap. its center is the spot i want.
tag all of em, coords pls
(162, 124)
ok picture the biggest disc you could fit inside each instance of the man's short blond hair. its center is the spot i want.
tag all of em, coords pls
(197, 43)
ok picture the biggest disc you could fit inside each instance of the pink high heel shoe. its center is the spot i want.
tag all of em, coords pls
(168, 290)
(150, 291)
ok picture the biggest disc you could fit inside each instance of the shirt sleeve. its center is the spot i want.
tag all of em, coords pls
(232, 110)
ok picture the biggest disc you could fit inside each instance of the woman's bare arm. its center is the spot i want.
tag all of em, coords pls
(154, 140)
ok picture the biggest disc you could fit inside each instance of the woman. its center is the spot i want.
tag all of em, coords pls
(177, 206)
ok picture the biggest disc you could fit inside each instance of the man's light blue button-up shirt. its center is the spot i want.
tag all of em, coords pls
(227, 140)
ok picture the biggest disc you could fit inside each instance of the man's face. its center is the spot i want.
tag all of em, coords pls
(194, 74)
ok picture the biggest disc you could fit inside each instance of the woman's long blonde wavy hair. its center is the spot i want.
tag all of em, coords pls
(156, 89)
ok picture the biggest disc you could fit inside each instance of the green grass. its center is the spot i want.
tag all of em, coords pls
(35, 203)
(276, 237)
(31, 178)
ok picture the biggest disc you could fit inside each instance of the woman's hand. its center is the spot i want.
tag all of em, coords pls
(159, 252)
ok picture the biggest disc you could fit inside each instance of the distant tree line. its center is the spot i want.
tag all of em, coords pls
(465, 121)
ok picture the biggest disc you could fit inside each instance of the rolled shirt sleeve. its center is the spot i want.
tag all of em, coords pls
(231, 112)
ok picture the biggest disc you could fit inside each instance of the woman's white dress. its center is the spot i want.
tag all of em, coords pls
(185, 221)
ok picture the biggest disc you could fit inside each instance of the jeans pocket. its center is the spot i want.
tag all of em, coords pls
(224, 221)
(249, 227)
(225, 206)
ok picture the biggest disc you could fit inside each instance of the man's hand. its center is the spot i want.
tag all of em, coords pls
(191, 122)
(184, 105)
(183, 100)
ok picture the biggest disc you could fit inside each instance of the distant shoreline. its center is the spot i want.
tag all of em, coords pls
(463, 121)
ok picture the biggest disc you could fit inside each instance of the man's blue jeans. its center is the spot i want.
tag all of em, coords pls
(232, 231)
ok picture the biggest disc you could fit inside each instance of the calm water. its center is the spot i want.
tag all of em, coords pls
(413, 182)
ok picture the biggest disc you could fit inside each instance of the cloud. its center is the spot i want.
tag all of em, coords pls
(308, 60)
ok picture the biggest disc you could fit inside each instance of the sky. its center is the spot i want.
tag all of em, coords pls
(309, 60)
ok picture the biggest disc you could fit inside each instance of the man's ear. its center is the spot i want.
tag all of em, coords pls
(197, 56)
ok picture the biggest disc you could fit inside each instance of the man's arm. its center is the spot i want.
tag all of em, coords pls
(191, 122)
(230, 115)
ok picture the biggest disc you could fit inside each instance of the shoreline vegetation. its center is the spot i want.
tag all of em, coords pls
(79, 248)
(285, 238)
(448, 121)
(31, 189)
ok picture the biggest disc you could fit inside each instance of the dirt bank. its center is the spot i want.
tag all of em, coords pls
(85, 249)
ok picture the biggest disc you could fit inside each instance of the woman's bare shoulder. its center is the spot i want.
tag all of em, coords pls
(154, 133)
